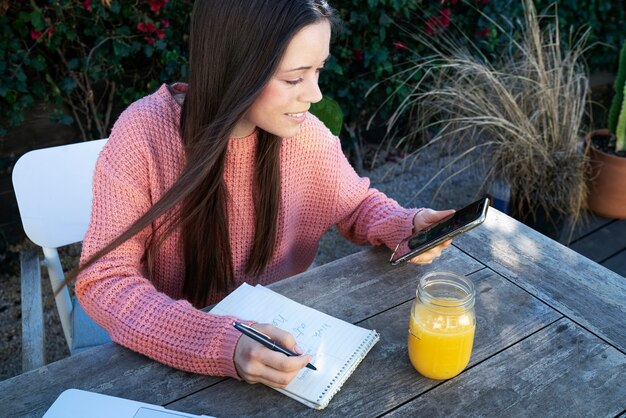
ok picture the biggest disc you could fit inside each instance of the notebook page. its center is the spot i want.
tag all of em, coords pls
(334, 343)
(337, 346)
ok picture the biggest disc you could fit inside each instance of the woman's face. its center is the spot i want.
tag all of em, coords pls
(280, 108)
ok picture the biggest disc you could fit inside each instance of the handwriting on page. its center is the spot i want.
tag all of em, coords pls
(300, 329)
(278, 321)
(321, 330)
(263, 305)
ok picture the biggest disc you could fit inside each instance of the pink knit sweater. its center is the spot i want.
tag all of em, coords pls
(140, 162)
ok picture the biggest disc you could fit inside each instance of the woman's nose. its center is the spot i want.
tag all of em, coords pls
(312, 94)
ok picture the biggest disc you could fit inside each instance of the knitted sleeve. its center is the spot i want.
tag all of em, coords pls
(115, 292)
(367, 215)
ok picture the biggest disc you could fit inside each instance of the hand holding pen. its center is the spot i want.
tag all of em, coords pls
(264, 339)
(255, 363)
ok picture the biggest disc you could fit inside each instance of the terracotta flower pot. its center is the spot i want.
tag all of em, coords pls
(607, 182)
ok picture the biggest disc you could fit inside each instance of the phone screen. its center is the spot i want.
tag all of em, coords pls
(462, 220)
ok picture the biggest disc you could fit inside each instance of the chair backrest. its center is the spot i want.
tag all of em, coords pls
(54, 194)
(53, 190)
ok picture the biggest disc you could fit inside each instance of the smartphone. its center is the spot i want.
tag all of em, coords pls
(460, 221)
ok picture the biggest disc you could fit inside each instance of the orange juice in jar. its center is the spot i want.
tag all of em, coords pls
(442, 325)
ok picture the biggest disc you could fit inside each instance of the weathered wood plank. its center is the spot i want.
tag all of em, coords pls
(33, 337)
(602, 243)
(109, 369)
(617, 263)
(562, 370)
(582, 290)
(113, 370)
(505, 315)
(340, 289)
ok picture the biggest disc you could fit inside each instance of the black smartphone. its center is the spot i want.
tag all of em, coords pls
(460, 221)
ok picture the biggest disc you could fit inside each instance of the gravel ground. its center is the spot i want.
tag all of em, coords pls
(399, 180)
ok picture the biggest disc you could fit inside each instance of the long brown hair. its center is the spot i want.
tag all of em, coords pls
(235, 48)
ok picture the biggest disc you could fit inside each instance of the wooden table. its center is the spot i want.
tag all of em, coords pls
(550, 341)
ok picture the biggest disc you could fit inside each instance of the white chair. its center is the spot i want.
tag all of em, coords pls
(53, 191)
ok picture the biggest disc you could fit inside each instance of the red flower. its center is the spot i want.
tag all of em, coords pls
(165, 23)
(482, 33)
(398, 46)
(146, 27)
(436, 22)
(445, 17)
(149, 40)
(51, 32)
(160, 34)
(87, 5)
(35, 34)
(156, 5)
(431, 24)
(358, 54)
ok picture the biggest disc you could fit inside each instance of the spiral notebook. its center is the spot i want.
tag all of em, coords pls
(336, 345)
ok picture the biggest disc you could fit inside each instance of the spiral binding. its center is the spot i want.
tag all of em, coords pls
(349, 366)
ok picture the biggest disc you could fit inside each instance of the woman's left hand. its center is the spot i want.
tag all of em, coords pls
(424, 219)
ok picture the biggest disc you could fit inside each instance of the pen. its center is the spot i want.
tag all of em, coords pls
(259, 337)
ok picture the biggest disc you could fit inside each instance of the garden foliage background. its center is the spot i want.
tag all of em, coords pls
(94, 57)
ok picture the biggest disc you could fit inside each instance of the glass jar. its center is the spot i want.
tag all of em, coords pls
(442, 325)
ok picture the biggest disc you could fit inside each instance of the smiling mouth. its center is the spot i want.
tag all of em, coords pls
(296, 115)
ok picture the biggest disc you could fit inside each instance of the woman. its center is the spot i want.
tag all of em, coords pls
(225, 180)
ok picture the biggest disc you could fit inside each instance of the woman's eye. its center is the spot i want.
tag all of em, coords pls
(294, 82)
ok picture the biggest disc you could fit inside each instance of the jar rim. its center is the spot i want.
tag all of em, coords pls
(451, 279)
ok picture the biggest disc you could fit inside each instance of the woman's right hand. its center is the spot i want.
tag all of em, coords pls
(256, 363)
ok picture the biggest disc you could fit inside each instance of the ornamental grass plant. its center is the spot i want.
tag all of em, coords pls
(517, 120)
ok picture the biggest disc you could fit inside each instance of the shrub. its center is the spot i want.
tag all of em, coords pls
(366, 49)
(97, 56)
(604, 19)
(371, 48)
(92, 56)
